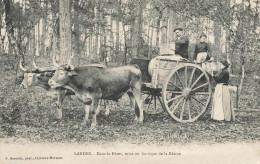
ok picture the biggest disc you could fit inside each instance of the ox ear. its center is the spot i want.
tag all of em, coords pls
(72, 73)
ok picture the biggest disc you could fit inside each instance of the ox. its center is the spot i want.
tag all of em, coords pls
(91, 84)
(40, 77)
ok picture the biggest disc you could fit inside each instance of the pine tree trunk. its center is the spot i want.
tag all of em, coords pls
(151, 43)
(227, 41)
(77, 36)
(217, 39)
(148, 38)
(256, 17)
(32, 42)
(117, 31)
(90, 45)
(43, 36)
(137, 31)
(65, 31)
(158, 28)
(111, 40)
(97, 28)
(8, 22)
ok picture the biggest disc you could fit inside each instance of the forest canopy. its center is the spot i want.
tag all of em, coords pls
(118, 30)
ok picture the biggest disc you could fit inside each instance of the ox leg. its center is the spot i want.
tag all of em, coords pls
(132, 98)
(59, 112)
(87, 109)
(106, 108)
(60, 98)
(138, 99)
(94, 115)
(132, 104)
(98, 109)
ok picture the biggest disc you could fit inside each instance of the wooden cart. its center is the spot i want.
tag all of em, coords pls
(181, 87)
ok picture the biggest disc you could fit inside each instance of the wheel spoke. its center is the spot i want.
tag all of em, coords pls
(200, 86)
(188, 107)
(177, 73)
(154, 102)
(147, 97)
(192, 74)
(185, 77)
(150, 102)
(175, 92)
(194, 108)
(197, 80)
(182, 110)
(176, 106)
(175, 85)
(174, 98)
(160, 100)
(198, 101)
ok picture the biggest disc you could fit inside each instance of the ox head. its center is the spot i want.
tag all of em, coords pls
(61, 77)
(62, 74)
(36, 76)
(30, 79)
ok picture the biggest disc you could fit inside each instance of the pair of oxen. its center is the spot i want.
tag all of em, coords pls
(90, 84)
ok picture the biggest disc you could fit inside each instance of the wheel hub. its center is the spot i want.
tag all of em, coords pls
(186, 92)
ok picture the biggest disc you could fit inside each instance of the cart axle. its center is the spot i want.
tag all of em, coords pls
(186, 92)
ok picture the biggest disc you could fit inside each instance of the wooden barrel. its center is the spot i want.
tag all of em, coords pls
(160, 66)
(155, 61)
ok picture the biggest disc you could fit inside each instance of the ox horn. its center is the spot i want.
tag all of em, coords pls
(43, 69)
(70, 62)
(21, 66)
(34, 64)
(54, 62)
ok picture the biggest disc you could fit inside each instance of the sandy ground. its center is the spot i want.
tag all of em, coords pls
(31, 153)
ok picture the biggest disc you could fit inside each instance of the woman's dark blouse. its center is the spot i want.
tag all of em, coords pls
(201, 47)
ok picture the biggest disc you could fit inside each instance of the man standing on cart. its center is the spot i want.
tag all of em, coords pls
(181, 43)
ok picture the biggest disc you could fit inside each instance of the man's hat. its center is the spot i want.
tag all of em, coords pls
(203, 34)
(178, 28)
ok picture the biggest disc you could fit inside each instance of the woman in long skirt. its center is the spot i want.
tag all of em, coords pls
(222, 108)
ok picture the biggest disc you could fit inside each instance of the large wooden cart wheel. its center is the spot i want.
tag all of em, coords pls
(186, 92)
(152, 101)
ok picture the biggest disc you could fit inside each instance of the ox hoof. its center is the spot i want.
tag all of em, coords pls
(141, 121)
(136, 119)
(60, 123)
(85, 122)
(58, 117)
(56, 120)
(107, 114)
(92, 127)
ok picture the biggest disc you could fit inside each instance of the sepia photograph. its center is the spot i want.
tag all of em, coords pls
(129, 81)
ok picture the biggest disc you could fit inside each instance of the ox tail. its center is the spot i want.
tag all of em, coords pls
(139, 73)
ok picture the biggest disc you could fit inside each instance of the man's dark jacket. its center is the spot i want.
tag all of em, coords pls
(181, 46)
